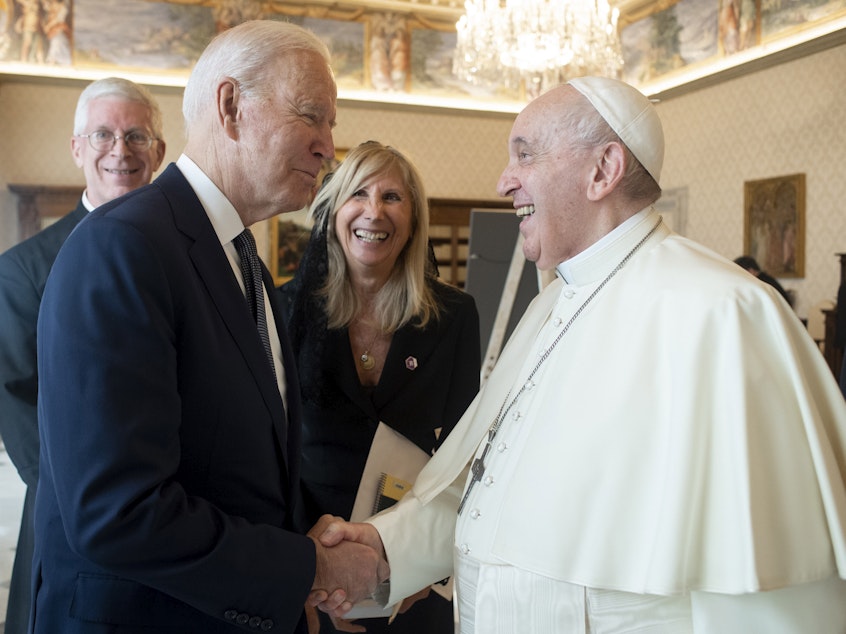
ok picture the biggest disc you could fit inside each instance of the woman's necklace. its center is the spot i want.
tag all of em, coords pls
(366, 361)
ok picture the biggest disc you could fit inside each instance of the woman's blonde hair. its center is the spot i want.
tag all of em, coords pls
(406, 294)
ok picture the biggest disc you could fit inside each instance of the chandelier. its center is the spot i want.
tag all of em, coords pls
(532, 45)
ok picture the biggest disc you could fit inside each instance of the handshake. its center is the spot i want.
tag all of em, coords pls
(350, 564)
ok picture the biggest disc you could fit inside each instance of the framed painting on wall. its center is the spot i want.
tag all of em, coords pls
(774, 224)
(288, 239)
(290, 232)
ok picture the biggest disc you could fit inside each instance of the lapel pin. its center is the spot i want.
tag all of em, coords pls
(411, 363)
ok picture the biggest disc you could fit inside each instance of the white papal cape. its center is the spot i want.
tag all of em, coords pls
(690, 436)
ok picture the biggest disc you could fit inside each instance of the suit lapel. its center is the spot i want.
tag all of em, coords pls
(216, 274)
(408, 343)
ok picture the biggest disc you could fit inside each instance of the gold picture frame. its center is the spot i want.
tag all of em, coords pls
(774, 224)
(290, 232)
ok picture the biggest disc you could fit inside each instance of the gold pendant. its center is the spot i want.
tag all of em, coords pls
(367, 362)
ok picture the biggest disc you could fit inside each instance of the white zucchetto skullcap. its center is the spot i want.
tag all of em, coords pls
(630, 114)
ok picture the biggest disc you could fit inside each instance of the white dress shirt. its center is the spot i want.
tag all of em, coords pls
(227, 225)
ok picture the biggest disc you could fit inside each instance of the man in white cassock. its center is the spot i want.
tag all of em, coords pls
(661, 446)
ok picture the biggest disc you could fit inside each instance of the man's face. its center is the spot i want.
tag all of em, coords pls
(284, 137)
(113, 172)
(546, 176)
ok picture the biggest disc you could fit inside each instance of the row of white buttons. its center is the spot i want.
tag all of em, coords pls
(557, 322)
(488, 481)
(516, 416)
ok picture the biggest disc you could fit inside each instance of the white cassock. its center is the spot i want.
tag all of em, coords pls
(676, 463)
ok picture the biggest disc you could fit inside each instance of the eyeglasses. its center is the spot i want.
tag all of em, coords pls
(104, 140)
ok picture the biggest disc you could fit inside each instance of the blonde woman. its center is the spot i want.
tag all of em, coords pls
(378, 338)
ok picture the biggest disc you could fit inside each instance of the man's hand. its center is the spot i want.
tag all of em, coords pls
(348, 569)
(337, 530)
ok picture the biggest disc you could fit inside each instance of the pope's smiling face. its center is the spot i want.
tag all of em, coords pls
(116, 171)
(375, 224)
(547, 176)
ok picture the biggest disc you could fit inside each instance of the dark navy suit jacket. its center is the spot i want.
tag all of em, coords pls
(23, 273)
(169, 468)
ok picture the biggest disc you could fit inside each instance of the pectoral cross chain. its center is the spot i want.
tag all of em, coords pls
(477, 470)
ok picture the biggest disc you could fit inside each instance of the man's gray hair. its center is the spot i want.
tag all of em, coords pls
(117, 88)
(244, 53)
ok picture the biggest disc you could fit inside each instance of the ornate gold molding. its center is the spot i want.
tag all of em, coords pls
(430, 12)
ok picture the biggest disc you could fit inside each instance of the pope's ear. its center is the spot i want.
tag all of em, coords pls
(608, 172)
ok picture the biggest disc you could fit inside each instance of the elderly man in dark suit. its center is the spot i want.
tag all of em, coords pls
(169, 402)
(118, 144)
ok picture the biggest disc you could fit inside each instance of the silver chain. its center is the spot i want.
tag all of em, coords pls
(502, 414)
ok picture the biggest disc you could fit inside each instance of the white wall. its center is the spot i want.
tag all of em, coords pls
(783, 120)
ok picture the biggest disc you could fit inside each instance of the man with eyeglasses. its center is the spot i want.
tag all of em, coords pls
(118, 144)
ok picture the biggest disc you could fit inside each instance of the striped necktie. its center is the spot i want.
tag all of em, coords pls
(245, 244)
